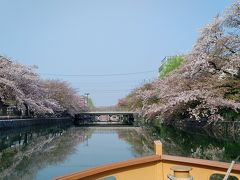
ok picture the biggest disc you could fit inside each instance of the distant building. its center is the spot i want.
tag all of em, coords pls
(169, 64)
(163, 62)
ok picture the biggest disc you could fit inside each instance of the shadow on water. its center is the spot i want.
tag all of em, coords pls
(198, 144)
(24, 153)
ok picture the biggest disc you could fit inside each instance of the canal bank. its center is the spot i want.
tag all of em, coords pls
(18, 123)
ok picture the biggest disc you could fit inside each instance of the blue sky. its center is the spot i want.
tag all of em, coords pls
(96, 37)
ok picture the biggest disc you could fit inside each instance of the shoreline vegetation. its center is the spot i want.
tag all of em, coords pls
(201, 86)
(24, 93)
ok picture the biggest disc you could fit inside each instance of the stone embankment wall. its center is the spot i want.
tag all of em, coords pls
(16, 123)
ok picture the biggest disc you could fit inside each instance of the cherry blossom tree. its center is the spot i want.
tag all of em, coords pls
(22, 85)
(67, 97)
(207, 82)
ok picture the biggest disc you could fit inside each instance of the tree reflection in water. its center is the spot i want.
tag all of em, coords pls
(24, 153)
(195, 144)
(181, 143)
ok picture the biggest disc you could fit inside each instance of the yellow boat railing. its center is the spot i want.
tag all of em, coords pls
(157, 167)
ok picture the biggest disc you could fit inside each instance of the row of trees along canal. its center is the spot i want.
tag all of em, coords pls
(28, 95)
(203, 85)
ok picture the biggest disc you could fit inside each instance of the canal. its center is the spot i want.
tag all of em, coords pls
(46, 152)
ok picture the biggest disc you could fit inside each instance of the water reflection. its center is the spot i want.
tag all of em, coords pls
(24, 153)
(47, 152)
(196, 144)
(44, 153)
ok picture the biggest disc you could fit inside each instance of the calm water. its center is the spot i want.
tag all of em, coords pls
(43, 153)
